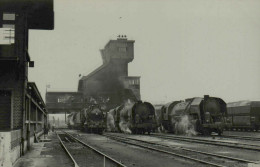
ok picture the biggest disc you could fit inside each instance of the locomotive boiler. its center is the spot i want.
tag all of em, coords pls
(136, 118)
(203, 115)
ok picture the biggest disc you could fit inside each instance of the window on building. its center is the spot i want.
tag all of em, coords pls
(8, 29)
(122, 49)
(130, 82)
(8, 26)
(136, 81)
(9, 16)
(133, 82)
(61, 100)
(7, 34)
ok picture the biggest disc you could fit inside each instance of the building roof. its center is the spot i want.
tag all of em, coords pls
(36, 92)
(62, 92)
(94, 72)
(118, 39)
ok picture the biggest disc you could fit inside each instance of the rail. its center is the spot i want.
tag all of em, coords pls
(253, 147)
(97, 151)
(241, 137)
(124, 140)
(196, 151)
(67, 151)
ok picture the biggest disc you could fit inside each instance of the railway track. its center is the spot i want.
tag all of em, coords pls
(240, 137)
(83, 154)
(253, 147)
(213, 159)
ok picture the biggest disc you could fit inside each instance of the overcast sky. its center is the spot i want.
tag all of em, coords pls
(182, 48)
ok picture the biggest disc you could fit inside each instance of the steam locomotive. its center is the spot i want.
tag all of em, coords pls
(136, 118)
(203, 115)
(90, 119)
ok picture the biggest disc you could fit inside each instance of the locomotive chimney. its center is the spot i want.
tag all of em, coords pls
(206, 97)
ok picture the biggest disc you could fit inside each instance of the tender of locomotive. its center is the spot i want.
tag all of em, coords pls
(136, 118)
(243, 115)
(204, 115)
(93, 119)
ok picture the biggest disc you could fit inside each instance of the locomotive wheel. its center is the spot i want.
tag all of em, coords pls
(206, 132)
(99, 131)
(220, 131)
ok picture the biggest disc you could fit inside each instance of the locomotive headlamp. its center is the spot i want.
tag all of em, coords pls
(102, 107)
(227, 120)
(252, 118)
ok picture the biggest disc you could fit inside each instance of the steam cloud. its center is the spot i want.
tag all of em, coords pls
(184, 126)
(124, 115)
(111, 120)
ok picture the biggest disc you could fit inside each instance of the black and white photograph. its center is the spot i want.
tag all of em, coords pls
(129, 83)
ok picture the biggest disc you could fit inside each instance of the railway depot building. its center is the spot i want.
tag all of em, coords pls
(22, 110)
(110, 82)
(63, 103)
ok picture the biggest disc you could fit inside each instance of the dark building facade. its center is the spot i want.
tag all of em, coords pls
(63, 102)
(22, 110)
(110, 82)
